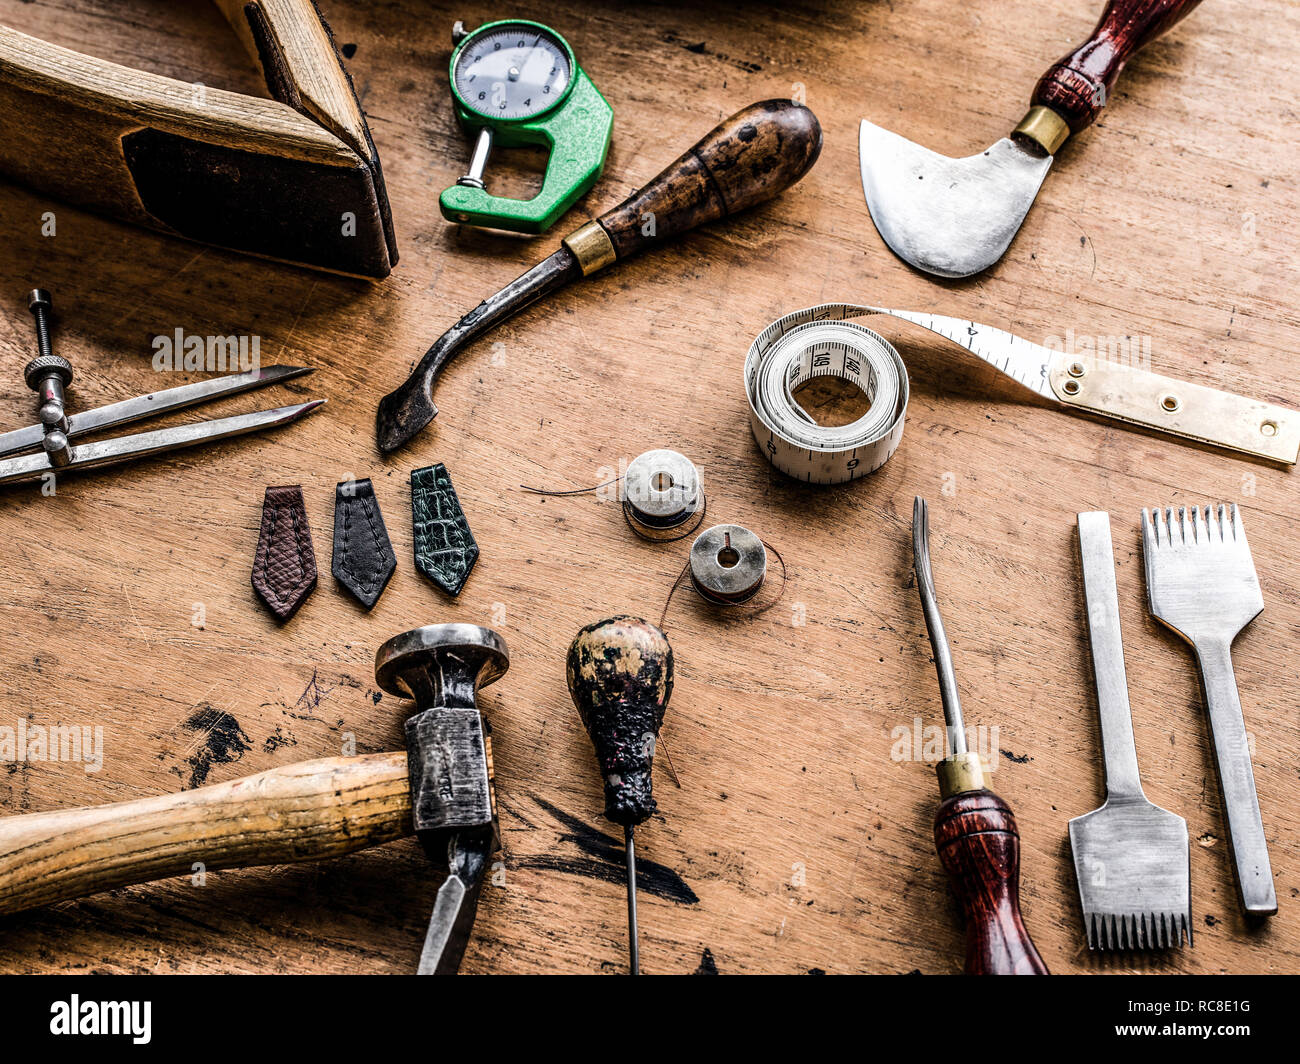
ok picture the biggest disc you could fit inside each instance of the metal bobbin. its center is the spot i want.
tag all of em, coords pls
(728, 564)
(661, 494)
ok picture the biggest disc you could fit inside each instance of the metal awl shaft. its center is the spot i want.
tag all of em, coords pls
(934, 624)
(633, 951)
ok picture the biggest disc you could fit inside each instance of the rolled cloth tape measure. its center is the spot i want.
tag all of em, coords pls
(819, 342)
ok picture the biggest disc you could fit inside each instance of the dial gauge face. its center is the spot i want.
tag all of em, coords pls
(512, 72)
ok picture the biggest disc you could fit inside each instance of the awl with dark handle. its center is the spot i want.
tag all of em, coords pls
(955, 217)
(620, 675)
(974, 830)
(749, 158)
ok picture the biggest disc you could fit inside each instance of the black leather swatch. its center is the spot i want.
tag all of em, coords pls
(363, 559)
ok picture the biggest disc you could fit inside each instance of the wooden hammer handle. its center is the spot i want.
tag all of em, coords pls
(302, 812)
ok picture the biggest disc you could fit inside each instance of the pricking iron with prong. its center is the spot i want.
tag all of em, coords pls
(1130, 856)
(1201, 583)
(49, 375)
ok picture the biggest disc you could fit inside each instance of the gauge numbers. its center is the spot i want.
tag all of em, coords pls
(512, 72)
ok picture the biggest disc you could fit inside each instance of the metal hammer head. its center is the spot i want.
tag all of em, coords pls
(441, 667)
(441, 664)
(949, 217)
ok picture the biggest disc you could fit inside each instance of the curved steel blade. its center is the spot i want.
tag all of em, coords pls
(949, 217)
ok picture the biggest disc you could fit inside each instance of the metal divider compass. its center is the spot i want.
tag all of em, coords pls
(49, 376)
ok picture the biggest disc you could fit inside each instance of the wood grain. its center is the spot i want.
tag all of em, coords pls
(301, 812)
(119, 140)
(802, 830)
(756, 154)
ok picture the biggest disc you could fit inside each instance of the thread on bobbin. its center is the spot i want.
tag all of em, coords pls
(662, 495)
(662, 499)
(728, 568)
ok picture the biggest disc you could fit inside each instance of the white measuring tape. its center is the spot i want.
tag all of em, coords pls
(819, 342)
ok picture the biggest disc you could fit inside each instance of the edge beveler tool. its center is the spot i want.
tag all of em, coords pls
(747, 159)
(955, 217)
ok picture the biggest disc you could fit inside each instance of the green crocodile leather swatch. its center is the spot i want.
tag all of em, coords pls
(445, 550)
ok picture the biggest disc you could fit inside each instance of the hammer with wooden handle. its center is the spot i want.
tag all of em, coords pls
(440, 790)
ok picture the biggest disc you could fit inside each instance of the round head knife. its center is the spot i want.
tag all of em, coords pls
(518, 83)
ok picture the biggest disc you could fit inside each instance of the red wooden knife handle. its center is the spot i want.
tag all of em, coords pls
(1078, 85)
(975, 833)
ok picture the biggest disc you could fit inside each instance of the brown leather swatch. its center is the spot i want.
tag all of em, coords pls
(284, 570)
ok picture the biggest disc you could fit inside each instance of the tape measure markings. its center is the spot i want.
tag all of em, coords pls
(819, 342)
(1084, 382)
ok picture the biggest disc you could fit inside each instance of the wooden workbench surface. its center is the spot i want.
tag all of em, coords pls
(799, 839)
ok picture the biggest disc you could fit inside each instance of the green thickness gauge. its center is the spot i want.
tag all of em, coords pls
(518, 83)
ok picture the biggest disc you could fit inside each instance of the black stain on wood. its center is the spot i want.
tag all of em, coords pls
(1019, 759)
(278, 739)
(702, 48)
(708, 966)
(606, 862)
(222, 741)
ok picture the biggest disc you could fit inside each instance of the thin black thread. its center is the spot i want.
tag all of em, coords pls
(699, 520)
(576, 491)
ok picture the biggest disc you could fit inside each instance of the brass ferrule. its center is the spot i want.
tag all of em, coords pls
(1044, 127)
(959, 773)
(592, 248)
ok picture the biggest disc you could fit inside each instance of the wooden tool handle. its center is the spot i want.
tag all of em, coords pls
(749, 158)
(975, 833)
(303, 812)
(1078, 85)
